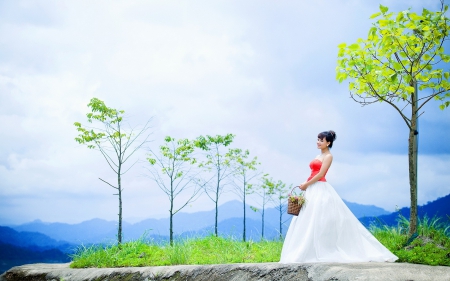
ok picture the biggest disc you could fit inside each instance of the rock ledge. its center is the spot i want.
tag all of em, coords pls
(233, 272)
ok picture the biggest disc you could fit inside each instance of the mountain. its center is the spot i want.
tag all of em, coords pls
(17, 248)
(11, 255)
(439, 208)
(365, 210)
(95, 230)
(192, 222)
(101, 231)
(33, 240)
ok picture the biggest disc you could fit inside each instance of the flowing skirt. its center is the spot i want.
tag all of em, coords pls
(327, 231)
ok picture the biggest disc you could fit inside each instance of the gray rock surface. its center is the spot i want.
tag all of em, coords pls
(234, 272)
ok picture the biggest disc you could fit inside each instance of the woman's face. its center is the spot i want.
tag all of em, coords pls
(322, 143)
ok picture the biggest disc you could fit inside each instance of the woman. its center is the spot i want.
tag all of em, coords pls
(326, 230)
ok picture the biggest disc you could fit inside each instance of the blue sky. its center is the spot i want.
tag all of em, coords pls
(262, 70)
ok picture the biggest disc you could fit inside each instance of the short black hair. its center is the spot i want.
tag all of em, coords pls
(330, 136)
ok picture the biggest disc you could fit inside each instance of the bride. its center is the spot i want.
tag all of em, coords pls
(326, 230)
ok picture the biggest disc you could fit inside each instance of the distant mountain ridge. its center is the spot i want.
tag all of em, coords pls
(33, 240)
(200, 223)
(11, 255)
(102, 231)
(438, 208)
(17, 248)
(360, 210)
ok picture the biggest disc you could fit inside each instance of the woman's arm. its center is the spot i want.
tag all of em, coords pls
(326, 163)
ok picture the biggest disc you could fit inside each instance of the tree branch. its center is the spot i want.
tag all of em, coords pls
(108, 183)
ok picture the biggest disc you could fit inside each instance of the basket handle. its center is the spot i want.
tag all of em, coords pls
(293, 189)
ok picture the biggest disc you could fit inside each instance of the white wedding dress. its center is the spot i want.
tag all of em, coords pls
(327, 231)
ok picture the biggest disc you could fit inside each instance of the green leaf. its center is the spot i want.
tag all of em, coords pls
(397, 66)
(414, 16)
(394, 77)
(383, 22)
(409, 89)
(445, 58)
(375, 15)
(342, 45)
(383, 9)
(446, 75)
(354, 46)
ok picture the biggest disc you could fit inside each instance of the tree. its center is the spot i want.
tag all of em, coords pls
(397, 64)
(281, 194)
(218, 162)
(265, 191)
(245, 169)
(171, 169)
(113, 142)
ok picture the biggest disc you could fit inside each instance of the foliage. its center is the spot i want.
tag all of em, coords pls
(243, 166)
(400, 49)
(105, 115)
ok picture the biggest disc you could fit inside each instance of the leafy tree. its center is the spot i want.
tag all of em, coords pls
(114, 143)
(265, 192)
(218, 162)
(281, 194)
(171, 169)
(245, 170)
(398, 64)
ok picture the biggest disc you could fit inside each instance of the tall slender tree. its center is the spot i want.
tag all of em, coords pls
(218, 162)
(115, 143)
(280, 196)
(245, 170)
(265, 192)
(398, 64)
(172, 170)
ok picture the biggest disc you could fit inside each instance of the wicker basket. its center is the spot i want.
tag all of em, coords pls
(293, 206)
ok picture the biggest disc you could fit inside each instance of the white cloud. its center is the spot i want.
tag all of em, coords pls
(260, 70)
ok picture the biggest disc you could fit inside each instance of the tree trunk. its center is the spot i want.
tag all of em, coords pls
(171, 223)
(217, 207)
(119, 231)
(262, 223)
(243, 235)
(412, 157)
(281, 218)
(171, 215)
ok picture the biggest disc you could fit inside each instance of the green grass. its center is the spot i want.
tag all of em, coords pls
(431, 247)
(208, 250)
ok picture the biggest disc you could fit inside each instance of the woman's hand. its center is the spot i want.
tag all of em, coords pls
(303, 186)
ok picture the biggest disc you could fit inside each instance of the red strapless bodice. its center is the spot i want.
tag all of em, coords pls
(315, 166)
